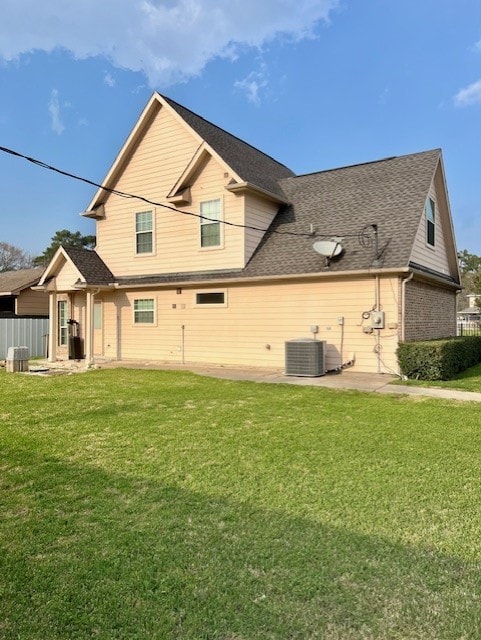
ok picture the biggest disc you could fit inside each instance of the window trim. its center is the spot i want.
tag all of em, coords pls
(141, 254)
(135, 322)
(430, 211)
(203, 222)
(210, 305)
(62, 315)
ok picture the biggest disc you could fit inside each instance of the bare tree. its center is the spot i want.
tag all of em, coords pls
(13, 258)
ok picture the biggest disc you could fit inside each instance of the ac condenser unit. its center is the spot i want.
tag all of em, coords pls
(305, 357)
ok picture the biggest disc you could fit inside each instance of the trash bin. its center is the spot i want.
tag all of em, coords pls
(75, 348)
(17, 359)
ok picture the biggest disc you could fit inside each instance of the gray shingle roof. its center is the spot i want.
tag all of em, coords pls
(389, 193)
(249, 163)
(14, 281)
(91, 266)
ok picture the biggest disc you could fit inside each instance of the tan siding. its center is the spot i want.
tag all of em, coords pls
(433, 257)
(155, 166)
(257, 321)
(66, 277)
(259, 213)
(32, 303)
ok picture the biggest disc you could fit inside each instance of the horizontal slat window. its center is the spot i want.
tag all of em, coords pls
(144, 311)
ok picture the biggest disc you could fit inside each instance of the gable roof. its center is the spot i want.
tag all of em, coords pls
(344, 203)
(248, 163)
(91, 266)
(12, 282)
(252, 165)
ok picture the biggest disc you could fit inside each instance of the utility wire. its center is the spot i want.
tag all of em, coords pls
(124, 194)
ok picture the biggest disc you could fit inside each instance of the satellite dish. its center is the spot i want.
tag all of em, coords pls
(327, 248)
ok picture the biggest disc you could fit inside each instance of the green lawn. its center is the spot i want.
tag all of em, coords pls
(161, 505)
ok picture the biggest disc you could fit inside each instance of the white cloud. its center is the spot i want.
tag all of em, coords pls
(469, 95)
(252, 85)
(109, 80)
(167, 40)
(54, 110)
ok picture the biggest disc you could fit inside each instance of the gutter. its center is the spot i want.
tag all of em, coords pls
(248, 186)
(253, 279)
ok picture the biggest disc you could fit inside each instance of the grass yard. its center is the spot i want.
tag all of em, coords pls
(164, 505)
(469, 380)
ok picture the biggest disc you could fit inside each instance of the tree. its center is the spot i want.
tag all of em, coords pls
(470, 266)
(65, 238)
(469, 262)
(12, 258)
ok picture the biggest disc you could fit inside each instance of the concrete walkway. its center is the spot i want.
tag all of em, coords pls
(347, 380)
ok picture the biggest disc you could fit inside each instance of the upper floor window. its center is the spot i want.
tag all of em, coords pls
(430, 222)
(210, 232)
(144, 232)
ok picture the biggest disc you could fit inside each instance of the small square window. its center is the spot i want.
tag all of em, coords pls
(144, 312)
(430, 222)
(210, 226)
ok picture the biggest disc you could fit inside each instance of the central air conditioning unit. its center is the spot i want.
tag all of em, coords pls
(305, 357)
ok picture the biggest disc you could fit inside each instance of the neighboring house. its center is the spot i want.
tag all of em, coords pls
(23, 312)
(16, 296)
(472, 314)
(222, 269)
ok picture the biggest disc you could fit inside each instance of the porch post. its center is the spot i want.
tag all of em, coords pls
(89, 325)
(53, 326)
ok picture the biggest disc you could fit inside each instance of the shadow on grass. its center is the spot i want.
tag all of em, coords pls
(87, 554)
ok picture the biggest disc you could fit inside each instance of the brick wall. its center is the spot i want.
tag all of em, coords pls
(429, 312)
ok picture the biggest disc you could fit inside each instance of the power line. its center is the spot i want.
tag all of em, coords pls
(124, 194)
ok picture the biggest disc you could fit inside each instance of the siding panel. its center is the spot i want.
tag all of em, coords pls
(254, 326)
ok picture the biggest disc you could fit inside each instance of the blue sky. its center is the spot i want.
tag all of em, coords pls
(314, 83)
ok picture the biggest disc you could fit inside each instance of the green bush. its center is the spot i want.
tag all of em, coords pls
(438, 359)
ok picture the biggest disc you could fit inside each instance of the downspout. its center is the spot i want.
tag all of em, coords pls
(403, 303)
(377, 299)
(90, 325)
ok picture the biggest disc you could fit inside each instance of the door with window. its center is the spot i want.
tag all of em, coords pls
(98, 329)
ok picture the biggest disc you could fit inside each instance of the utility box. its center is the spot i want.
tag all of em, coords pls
(305, 357)
(17, 359)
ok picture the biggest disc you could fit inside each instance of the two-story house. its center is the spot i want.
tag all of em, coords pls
(210, 251)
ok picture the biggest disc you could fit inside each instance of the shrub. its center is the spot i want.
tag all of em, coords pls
(438, 359)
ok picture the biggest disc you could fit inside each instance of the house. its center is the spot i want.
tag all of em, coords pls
(470, 317)
(228, 254)
(17, 297)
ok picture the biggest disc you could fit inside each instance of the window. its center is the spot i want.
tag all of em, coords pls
(62, 323)
(211, 298)
(144, 232)
(210, 223)
(144, 311)
(430, 222)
